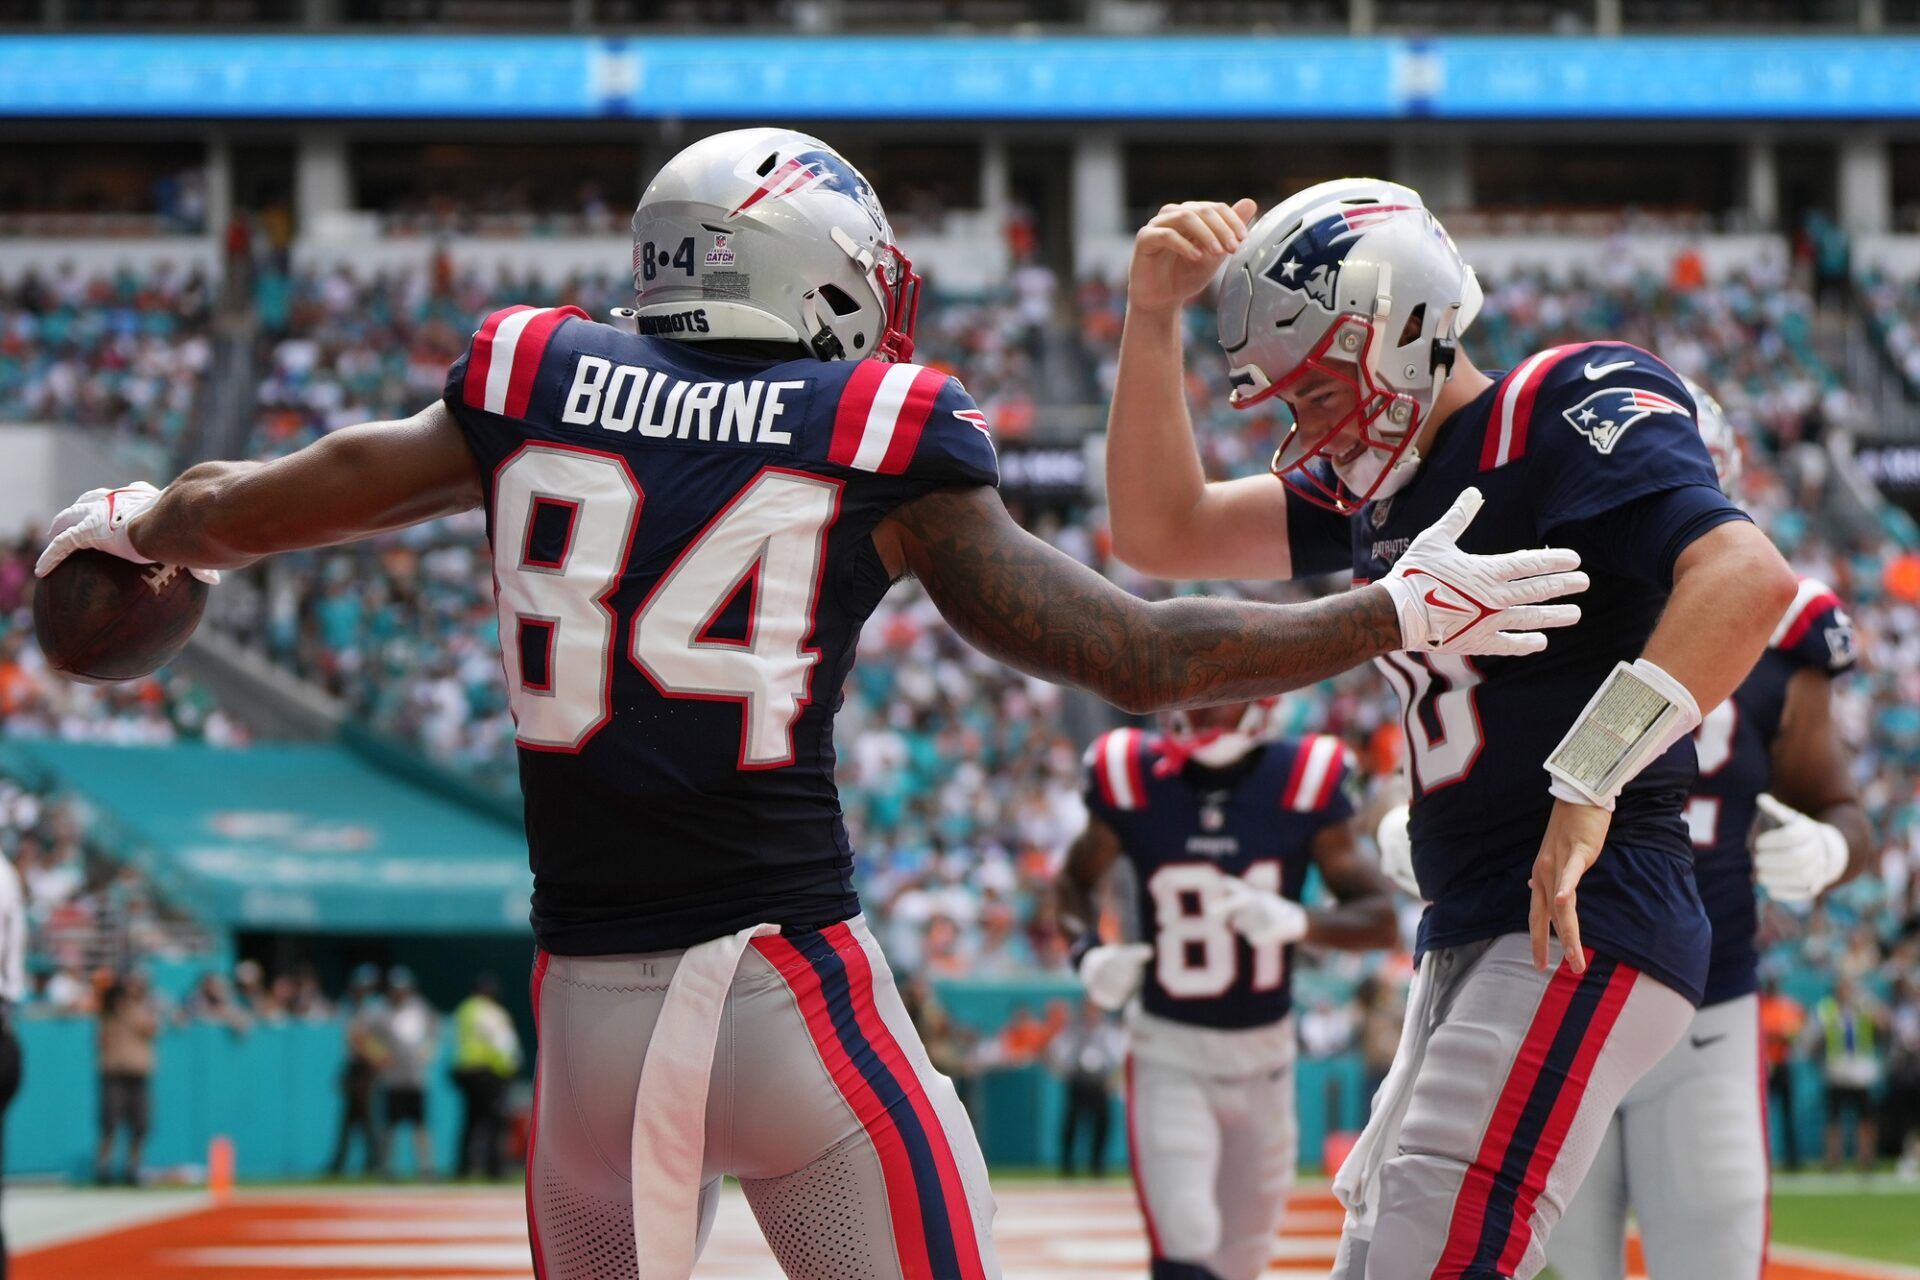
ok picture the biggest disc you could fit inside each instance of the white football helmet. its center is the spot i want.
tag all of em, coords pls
(770, 235)
(1354, 279)
(1723, 443)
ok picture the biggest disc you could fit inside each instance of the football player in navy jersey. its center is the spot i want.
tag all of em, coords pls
(1687, 1150)
(691, 515)
(1219, 825)
(1565, 944)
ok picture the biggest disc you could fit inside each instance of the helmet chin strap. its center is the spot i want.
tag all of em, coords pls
(1361, 475)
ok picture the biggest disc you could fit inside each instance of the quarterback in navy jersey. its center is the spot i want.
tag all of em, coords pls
(1218, 825)
(1687, 1152)
(691, 514)
(1565, 944)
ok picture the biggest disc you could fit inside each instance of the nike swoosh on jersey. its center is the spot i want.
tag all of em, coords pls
(1595, 372)
(1701, 1042)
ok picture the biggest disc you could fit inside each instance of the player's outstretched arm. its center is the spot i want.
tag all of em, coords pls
(352, 483)
(1166, 519)
(1019, 600)
(1812, 781)
(1730, 587)
(1362, 918)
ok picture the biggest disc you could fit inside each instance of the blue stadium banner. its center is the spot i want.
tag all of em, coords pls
(956, 78)
(1663, 77)
(302, 76)
(711, 77)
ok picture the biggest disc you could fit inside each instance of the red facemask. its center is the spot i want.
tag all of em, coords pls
(903, 307)
(1372, 405)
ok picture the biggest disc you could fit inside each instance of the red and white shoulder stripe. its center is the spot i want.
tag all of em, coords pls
(1119, 769)
(1513, 405)
(506, 355)
(883, 409)
(1316, 772)
(1809, 602)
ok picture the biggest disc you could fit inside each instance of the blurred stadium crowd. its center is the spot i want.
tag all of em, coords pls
(961, 780)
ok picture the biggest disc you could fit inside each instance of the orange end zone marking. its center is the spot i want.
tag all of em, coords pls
(385, 1236)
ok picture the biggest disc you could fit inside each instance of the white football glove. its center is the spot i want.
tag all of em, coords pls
(1452, 602)
(1797, 858)
(1259, 916)
(98, 522)
(1111, 974)
(1396, 849)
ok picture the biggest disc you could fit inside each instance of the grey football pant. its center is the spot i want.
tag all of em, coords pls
(1687, 1151)
(1501, 1093)
(1212, 1162)
(855, 1154)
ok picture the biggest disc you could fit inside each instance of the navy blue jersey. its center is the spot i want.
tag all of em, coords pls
(1319, 540)
(1735, 746)
(1182, 830)
(682, 560)
(1591, 447)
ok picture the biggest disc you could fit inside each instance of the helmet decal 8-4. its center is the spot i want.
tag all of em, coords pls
(1357, 282)
(772, 235)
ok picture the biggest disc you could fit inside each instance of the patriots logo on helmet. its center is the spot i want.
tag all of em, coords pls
(1604, 416)
(1310, 262)
(808, 170)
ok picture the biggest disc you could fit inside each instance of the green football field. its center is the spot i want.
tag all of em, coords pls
(1876, 1218)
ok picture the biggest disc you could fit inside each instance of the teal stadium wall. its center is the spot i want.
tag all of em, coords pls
(273, 1091)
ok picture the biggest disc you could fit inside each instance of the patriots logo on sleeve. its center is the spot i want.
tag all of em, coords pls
(1604, 416)
(1310, 262)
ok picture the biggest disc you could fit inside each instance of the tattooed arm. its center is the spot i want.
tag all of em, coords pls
(1019, 600)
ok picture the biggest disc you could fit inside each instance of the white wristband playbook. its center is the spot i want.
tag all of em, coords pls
(1636, 714)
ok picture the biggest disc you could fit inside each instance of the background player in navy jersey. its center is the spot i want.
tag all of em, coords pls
(689, 524)
(1687, 1150)
(1347, 302)
(1219, 826)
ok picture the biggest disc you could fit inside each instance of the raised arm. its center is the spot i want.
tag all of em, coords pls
(352, 483)
(1166, 519)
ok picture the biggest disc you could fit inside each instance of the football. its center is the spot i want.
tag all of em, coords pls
(99, 618)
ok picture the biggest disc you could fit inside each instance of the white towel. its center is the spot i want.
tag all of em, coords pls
(670, 1107)
(1357, 1185)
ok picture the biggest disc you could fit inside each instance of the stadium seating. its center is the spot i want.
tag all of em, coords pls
(960, 778)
